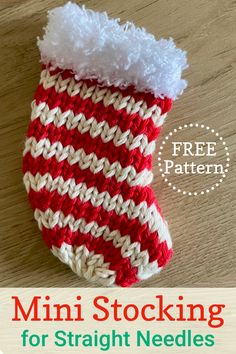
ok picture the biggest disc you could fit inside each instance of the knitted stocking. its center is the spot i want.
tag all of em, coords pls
(88, 153)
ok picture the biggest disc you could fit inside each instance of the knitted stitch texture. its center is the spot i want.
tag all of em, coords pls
(87, 161)
(87, 169)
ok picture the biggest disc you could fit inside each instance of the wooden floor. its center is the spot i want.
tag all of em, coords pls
(203, 228)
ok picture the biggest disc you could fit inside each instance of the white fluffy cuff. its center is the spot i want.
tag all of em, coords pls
(94, 46)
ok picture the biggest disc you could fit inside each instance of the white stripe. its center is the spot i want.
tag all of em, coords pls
(88, 265)
(97, 94)
(141, 211)
(47, 149)
(138, 258)
(94, 128)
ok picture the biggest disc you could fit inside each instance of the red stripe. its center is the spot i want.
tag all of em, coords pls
(138, 233)
(126, 274)
(125, 121)
(67, 171)
(165, 103)
(90, 145)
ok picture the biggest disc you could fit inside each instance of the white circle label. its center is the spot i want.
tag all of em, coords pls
(193, 150)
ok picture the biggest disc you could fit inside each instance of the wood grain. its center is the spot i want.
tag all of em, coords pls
(203, 229)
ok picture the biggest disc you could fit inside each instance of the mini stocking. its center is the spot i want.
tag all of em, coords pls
(104, 92)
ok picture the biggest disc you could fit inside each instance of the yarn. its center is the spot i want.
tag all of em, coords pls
(87, 166)
(92, 45)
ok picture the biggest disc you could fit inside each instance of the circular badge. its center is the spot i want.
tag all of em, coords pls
(193, 159)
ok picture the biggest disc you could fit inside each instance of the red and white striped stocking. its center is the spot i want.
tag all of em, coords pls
(88, 154)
